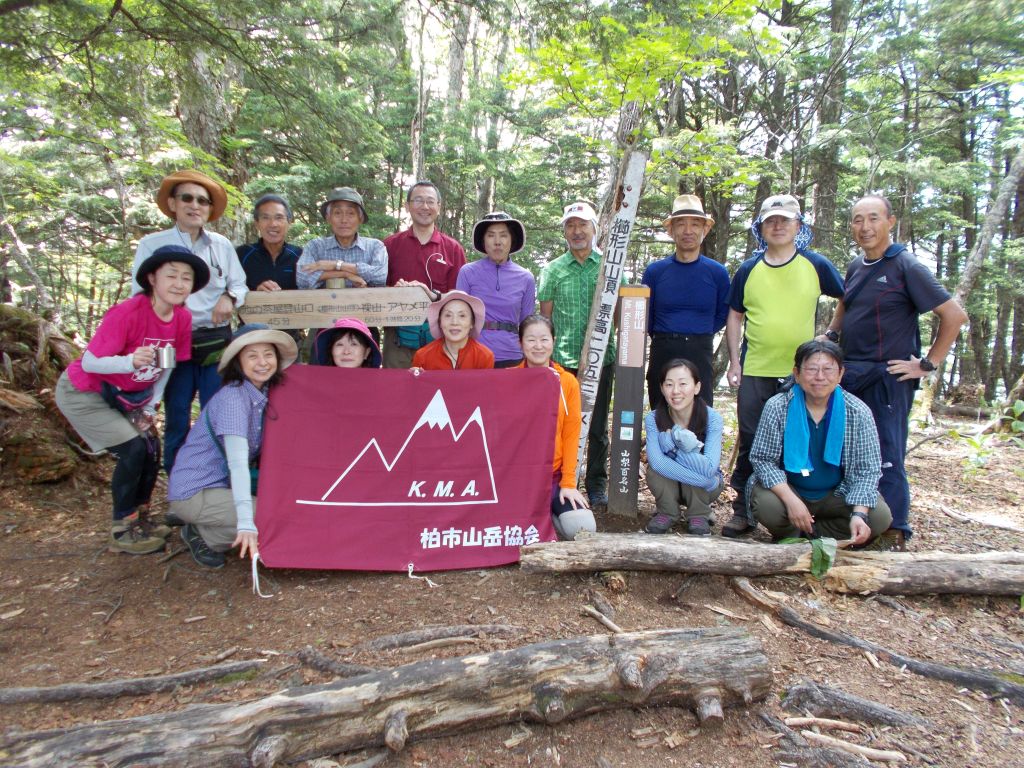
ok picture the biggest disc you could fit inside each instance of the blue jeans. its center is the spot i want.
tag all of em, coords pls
(186, 379)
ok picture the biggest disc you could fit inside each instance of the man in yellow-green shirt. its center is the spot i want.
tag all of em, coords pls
(773, 300)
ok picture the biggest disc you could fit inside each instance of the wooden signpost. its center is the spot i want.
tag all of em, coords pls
(602, 308)
(320, 308)
(627, 414)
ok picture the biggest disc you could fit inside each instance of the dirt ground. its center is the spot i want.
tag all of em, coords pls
(70, 611)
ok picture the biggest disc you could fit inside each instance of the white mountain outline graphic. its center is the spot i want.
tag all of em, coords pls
(434, 415)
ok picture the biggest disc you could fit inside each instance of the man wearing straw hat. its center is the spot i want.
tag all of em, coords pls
(191, 199)
(689, 299)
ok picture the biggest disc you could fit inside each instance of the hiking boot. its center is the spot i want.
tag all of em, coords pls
(199, 549)
(737, 525)
(597, 498)
(698, 526)
(151, 526)
(127, 535)
(660, 523)
(892, 540)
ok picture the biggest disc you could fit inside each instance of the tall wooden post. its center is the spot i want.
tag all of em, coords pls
(602, 308)
(627, 414)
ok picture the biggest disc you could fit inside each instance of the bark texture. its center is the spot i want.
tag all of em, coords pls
(546, 682)
(889, 573)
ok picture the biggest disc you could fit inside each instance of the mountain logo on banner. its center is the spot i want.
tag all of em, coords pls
(436, 466)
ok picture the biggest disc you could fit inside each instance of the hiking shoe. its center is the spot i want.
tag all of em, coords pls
(597, 498)
(892, 540)
(737, 525)
(127, 535)
(151, 526)
(660, 523)
(199, 549)
(698, 526)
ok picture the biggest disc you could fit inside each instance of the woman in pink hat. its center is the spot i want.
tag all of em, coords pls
(348, 344)
(456, 321)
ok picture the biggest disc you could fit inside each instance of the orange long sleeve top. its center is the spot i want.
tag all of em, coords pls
(432, 357)
(567, 430)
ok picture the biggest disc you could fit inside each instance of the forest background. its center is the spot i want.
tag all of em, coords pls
(522, 106)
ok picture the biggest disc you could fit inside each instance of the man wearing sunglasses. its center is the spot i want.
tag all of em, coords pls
(191, 199)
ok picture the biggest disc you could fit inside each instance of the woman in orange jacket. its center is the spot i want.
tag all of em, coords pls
(570, 512)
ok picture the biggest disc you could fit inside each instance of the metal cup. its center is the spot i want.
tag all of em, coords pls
(166, 357)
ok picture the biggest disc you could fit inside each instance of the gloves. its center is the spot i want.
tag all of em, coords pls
(684, 440)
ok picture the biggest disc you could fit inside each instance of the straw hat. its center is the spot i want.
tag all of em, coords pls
(258, 333)
(687, 205)
(213, 189)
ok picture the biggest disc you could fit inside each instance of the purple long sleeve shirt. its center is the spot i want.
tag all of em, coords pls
(510, 294)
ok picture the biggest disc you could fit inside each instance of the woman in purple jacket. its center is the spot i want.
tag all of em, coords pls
(508, 290)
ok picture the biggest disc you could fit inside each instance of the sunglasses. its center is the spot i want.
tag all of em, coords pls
(189, 198)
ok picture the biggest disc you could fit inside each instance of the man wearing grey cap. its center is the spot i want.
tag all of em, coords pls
(360, 261)
(270, 262)
(773, 300)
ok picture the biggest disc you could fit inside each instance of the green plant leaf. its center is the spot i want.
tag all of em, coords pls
(823, 555)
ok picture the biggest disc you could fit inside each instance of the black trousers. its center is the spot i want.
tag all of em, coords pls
(697, 348)
(754, 393)
(597, 437)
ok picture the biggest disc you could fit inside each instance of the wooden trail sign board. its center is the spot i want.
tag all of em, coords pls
(628, 411)
(602, 308)
(321, 307)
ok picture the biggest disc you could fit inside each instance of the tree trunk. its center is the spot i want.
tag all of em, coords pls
(207, 114)
(993, 220)
(918, 573)
(21, 256)
(548, 682)
(830, 111)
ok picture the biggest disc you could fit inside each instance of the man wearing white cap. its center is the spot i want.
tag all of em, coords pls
(566, 292)
(773, 301)
(689, 299)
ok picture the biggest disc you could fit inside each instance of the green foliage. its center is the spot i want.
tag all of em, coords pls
(823, 553)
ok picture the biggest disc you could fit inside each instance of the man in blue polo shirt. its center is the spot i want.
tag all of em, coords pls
(877, 326)
(689, 299)
(773, 302)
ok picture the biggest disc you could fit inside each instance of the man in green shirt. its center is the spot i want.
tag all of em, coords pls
(566, 293)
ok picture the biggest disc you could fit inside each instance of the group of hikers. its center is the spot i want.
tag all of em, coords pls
(822, 420)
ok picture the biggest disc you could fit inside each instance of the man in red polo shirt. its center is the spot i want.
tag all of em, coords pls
(423, 256)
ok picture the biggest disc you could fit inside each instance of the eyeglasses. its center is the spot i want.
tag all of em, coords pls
(827, 371)
(187, 198)
(429, 202)
(279, 218)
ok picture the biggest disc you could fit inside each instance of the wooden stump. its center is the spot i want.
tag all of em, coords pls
(703, 669)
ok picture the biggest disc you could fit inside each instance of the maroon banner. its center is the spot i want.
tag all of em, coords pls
(378, 469)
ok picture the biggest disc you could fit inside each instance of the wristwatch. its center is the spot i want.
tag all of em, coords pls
(926, 364)
(337, 266)
(832, 335)
(862, 515)
(230, 295)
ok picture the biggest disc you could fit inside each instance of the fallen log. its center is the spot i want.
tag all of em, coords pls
(891, 573)
(794, 749)
(419, 636)
(703, 669)
(975, 679)
(129, 687)
(822, 700)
